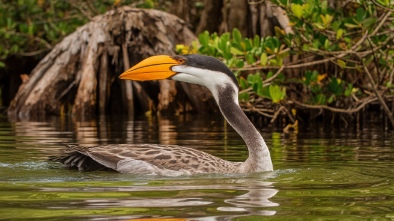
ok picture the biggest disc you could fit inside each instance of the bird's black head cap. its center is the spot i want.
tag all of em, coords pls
(207, 62)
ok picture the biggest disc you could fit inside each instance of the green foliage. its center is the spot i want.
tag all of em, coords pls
(331, 36)
(33, 27)
(275, 93)
(238, 51)
(324, 91)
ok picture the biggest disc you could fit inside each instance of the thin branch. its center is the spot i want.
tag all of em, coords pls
(333, 109)
(34, 53)
(277, 114)
(42, 41)
(257, 111)
(386, 109)
(333, 58)
(268, 81)
(382, 6)
(341, 55)
(380, 24)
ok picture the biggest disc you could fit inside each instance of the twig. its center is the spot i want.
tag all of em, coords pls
(276, 114)
(342, 54)
(258, 111)
(382, 21)
(42, 41)
(386, 109)
(333, 58)
(80, 7)
(34, 53)
(382, 6)
(268, 81)
(333, 109)
(345, 121)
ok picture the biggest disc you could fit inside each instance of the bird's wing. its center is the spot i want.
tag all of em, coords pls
(146, 159)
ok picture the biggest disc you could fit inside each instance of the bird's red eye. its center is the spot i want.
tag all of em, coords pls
(180, 60)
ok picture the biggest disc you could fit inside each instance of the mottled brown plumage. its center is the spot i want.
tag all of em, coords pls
(152, 159)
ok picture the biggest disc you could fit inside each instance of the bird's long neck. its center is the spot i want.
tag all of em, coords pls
(259, 156)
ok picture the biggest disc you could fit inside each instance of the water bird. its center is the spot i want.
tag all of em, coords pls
(173, 160)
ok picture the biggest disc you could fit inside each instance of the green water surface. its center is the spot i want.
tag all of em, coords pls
(320, 174)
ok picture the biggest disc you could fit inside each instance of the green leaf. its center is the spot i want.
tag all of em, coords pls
(269, 74)
(23, 28)
(339, 33)
(30, 30)
(256, 41)
(264, 59)
(349, 25)
(305, 47)
(341, 63)
(320, 99)
(323, 6)
(255, 81)
(327, 44)
(244, 96)
(236, 51)
(14, 49)
(227, 55)
(249, 59)
(316, 44)
(360, 14)
(264, 92)
(243, 83)
(331, 99)
(319, 26)
(239, 63)
(349, 90)
(223, 42)
(369, 22)
(250, 79)
(237, 37)
(297, 10)
(336, 86)
(277, 93)
(258, 82)
(311, 76)
(215, 41)
(204, 38)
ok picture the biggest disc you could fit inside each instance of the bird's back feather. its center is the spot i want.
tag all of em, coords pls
(146, 159)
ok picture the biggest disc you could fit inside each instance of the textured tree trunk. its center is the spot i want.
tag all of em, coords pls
(250, 17)
(210, 18)
(80, 75)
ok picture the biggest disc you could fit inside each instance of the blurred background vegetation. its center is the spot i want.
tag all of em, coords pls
(31, 27)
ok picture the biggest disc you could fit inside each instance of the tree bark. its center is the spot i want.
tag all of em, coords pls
(210, 17)
(80, 75)
(250, 17)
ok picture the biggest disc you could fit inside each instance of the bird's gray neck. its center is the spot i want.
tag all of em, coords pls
(259, 156)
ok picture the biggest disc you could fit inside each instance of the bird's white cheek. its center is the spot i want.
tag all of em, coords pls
(186, 78)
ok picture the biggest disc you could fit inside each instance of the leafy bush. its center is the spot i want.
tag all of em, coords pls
(333, 51)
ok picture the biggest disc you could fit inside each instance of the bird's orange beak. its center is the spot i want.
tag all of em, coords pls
(153, 68)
